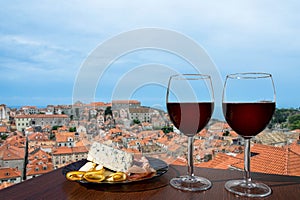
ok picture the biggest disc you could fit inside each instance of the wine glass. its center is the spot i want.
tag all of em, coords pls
(190, 104)
(248, 106)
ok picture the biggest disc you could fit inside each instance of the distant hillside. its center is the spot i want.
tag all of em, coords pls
(286, 119)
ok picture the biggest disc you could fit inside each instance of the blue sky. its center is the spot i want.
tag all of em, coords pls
(43, 44)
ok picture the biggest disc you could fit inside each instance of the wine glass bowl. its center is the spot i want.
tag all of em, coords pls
(190, 104)
(248, 105)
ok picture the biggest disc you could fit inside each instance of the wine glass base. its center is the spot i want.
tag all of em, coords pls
(191, 183)
(240, 187)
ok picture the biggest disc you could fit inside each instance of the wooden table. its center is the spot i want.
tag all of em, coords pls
(54, 186)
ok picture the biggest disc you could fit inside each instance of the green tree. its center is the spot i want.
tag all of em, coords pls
(281, 117)
(72, 129)
(294, 122)
(55, 127)
(226, 133)
(136, 121)
(3, 137)
(52, 136)
(167, 129)
(108, 111)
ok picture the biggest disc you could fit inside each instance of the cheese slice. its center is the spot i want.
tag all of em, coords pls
(89, 166)
(111, 158)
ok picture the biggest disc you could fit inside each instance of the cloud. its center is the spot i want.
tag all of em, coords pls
(22, 56)
(50, 40)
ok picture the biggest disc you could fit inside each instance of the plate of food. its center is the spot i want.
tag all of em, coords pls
(107, 165)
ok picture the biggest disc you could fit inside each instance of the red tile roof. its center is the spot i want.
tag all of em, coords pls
(38, 169)
(3, 129)
(62, 150)
(62, 129)
(38, 136)
(5, 185)
(115, 130)
(220, 161)
(8, 173)
(70, 150)
(273, 160)
(15, 140)
(8, 152)
(38, 154)
(266, 159)
(63, 136)
(96, 104)
(180, 161)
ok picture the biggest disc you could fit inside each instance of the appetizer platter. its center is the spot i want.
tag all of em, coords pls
(106, 164)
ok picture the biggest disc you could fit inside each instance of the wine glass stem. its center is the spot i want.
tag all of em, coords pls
(190, 156)
(247, 161)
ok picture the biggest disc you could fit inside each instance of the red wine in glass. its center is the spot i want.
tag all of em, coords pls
(248, 105)
(190, 104)
(186, 111)
(248, 119)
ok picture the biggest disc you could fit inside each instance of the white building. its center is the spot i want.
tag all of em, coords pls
(23, 121)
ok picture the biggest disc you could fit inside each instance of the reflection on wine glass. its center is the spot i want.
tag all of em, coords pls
(248, 106)
(190, 104)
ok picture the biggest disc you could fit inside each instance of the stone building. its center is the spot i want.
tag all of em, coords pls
(125, 104)
(9, 175)
(23, 121)
(62, 156)
(12, 157)
(142, 114)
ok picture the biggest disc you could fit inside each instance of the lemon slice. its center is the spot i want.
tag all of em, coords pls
(94, 176)
(116, 177)
(75, 175)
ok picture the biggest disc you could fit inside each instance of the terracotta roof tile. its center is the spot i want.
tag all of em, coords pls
(96, 104)
(38, 136)
(80, 149)
(38, 154)
(115, 130)
(39, 169)
(220, 161)
(8, 173)
(70, 150)
(62, 150)
(180, 161)
(8, 152)
(273, 160)
(3, 129)
(16, 140)
(5, 185)
(131, 150)
(79, 143)
(63, 136)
